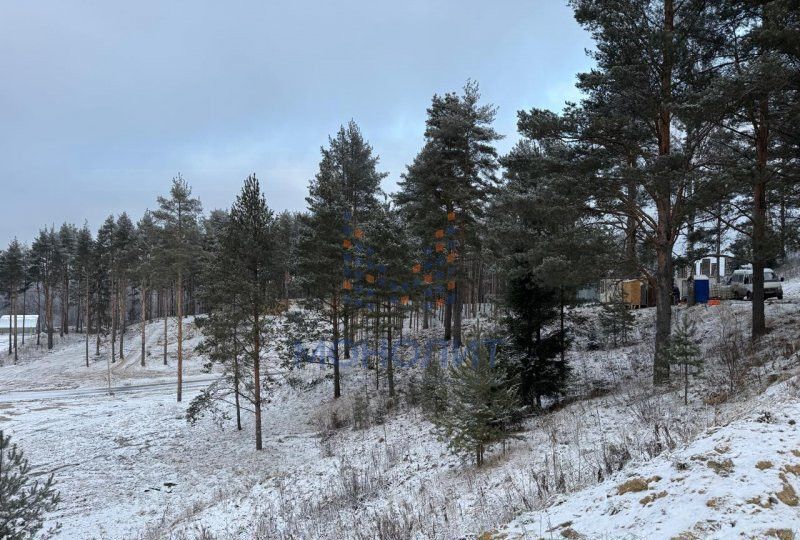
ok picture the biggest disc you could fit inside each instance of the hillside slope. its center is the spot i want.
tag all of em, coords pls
(737, 481)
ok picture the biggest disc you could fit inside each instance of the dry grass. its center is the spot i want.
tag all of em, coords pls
(787, 494)
(634, 485)
(652, 497)
(722, 468)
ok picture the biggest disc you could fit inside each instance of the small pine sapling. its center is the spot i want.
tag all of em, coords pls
(684, 351)
(482, 406)
(23, 500)
(616, 321)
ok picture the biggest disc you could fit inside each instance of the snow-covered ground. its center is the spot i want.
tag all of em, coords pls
(737, 481)
(128, 465)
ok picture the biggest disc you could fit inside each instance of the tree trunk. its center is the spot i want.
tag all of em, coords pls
(760, 220)
(561, 306)
(24, 312)
(39, 315)
(123, 296)
(236, 382)
(114, 315)
(14, 316)
(257, 374)
(86, 330)
(48, 306)
(163, 302)
(144, 323)
(346, 334)
(337, 391)
(664, 241)
(389, 360)
(448, 320)
(457, 312)
(179, 303)
(10, 328)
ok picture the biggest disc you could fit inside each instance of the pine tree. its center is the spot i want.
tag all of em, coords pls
(12, 277)
(434, 390)
(287, 235)
(177, 215)
(103, 259)
(124, 248)
(753, 100)
(145, 264)
(616, 320)
(684, 352)
(453, 175)
(223, 326)
(251, 247)
(640, 131)
(44, 264)
(482, 405)
(66, 261)
(341, 197)
(84, 247)
(24, 500)
(388, 274)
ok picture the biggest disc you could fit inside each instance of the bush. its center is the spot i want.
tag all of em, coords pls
(23, 501)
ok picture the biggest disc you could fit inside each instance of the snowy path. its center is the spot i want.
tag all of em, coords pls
(154, 387)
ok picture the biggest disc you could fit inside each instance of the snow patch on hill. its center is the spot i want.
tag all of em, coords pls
(740, 480)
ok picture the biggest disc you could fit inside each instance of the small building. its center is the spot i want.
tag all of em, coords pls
(25, 323)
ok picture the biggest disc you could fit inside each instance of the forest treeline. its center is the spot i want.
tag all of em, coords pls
(684, 144)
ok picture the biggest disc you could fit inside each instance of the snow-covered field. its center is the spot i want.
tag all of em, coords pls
(128, 465)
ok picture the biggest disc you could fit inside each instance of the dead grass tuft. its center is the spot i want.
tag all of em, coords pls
(787, 494)
(652, 497)
(781, 534)
(634, 485)
(722, 468)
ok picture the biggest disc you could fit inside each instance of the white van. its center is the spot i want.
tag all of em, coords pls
(741, 283)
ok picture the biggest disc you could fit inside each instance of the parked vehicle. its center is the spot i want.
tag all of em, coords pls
(741, 283)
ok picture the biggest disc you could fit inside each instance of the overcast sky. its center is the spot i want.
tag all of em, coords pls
(102, 103)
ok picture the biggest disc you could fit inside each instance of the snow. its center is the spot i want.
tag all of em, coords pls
(726, 484)
(129, 465)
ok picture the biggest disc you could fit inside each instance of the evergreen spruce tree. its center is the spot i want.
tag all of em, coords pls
(684, 351)
(24, 500)
(531, 355)
(178, 218)
(482, 405)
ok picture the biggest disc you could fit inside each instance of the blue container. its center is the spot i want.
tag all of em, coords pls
(701, 289)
